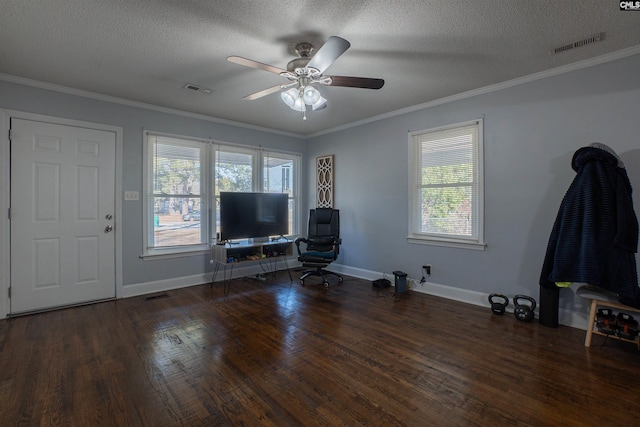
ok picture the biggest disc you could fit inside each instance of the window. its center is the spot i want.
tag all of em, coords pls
(234, 171)
(175, 195)
(280, 175)
(446, 186)
(183, 181)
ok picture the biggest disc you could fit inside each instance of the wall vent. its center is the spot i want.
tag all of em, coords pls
(197, 88)
(583, 42)
(152, 297)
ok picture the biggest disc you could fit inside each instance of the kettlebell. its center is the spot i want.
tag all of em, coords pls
(498, 307)
(524, 312)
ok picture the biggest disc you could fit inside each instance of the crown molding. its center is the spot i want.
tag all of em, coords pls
(612, 56)
(115, 100)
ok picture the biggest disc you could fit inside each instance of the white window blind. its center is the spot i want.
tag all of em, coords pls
(176, 209)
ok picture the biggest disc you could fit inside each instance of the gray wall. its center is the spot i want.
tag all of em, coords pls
(133, 120)
(530, 134)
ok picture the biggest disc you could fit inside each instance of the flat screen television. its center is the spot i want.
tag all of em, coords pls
(253, 215)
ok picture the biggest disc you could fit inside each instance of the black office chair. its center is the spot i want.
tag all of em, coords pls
(322, 244)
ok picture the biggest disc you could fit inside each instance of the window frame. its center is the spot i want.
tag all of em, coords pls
(295, 184)
(208, 190)
(149, 195)
(415, 235)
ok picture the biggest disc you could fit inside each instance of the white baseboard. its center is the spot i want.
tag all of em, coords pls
(565, 317)
(231, 272)
(574, 319)
(569, 318)
(138, 289)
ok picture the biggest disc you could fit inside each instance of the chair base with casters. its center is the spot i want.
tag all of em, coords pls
(318, 260)
(321, 272)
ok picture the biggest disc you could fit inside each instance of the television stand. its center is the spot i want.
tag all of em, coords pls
(266, 253)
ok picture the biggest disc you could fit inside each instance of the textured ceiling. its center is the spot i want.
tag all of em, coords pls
(146, 51)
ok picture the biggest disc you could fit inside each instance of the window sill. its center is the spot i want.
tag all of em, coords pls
(448, 243)
(173, 253)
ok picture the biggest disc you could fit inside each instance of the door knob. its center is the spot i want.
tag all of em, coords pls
(108, 228)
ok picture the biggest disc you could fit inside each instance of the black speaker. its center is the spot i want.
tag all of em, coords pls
(381, 283)
(549, 306)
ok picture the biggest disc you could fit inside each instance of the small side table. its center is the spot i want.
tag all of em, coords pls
(603, 298)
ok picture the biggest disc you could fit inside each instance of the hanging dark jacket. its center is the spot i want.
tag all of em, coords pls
(595, 236)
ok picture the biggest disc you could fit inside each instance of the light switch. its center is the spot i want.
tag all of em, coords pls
(131, 195)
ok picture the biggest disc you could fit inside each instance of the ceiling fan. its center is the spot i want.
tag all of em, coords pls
(306, 71)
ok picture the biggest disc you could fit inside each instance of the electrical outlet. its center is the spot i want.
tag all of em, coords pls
(427, 269)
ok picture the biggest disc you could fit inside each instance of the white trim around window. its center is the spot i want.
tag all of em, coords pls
(446, 186)
(180, 182)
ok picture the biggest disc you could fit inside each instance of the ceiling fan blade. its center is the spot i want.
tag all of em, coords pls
(255, 64)
(328, 53)
(262, 93)
(361, 82)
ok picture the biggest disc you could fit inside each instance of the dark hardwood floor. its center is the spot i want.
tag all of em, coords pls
(276, 353)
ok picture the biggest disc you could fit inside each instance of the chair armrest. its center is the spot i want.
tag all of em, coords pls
(297, 243)
(318, 241)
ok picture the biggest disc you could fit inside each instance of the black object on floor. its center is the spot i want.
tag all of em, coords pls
(381, 283)
(549, 306)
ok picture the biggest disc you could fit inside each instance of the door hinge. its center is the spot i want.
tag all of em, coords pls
(9, 292)
(9, 134)
(9, 213)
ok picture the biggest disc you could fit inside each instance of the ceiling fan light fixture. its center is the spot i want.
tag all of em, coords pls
(305, 72)
(290, 97)
(319, 103)
(311, 95)
(299, 105)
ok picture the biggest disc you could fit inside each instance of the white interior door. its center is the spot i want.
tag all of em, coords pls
(62, 215)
